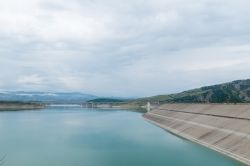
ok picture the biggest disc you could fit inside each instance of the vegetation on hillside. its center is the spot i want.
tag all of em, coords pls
(232, 92)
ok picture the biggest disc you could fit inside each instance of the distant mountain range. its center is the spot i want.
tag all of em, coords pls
(45, 97)
(232, 92)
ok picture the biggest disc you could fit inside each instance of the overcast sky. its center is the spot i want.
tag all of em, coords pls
(122, 47)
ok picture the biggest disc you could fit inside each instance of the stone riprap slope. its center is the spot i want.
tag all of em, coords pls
(221, 127)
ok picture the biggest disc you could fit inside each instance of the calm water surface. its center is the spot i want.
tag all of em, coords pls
(82, 137)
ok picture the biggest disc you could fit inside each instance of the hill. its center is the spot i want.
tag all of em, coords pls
(231, 92)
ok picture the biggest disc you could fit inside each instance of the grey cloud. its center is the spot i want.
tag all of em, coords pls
(131, 48)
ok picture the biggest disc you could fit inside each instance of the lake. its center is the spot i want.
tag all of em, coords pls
(92, 137)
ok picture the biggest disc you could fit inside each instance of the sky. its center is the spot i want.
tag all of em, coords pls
(122, 47)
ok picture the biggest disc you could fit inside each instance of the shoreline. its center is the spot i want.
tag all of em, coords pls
(15, 106)
(182, 123)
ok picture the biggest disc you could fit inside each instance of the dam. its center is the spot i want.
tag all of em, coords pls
(224, 128)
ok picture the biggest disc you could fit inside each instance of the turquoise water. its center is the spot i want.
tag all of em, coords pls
(82, 137)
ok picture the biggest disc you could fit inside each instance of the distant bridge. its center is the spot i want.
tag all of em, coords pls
(101, 104)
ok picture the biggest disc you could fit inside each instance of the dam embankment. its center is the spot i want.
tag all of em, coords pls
(222, 127)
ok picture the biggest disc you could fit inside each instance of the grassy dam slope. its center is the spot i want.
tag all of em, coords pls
(222, 127)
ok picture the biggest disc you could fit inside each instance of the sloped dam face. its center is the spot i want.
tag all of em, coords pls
(67, 136)
(221, 127)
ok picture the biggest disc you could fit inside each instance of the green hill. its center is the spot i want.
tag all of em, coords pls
(232, 92)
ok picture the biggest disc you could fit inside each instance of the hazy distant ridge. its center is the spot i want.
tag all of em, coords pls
(45, 97)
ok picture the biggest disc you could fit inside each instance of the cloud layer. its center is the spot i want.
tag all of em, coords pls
(122, 48)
